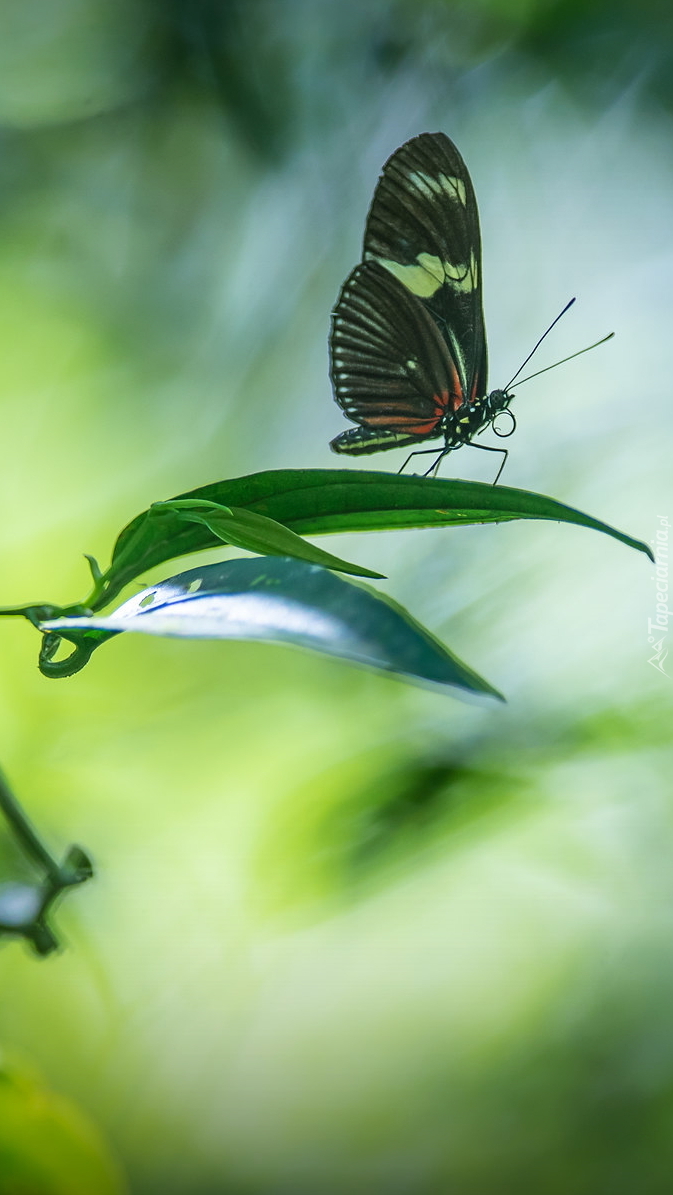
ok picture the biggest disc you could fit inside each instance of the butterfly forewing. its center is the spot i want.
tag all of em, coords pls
(423, 228)
(390, 366)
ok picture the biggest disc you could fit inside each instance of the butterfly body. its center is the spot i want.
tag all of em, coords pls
(408, 345)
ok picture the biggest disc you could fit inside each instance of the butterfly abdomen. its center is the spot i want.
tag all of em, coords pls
(358, 441)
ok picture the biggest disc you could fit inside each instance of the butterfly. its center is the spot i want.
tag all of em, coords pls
(408, 358)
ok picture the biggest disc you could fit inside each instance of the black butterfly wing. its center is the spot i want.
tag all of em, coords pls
(423, 228)
(390, 368)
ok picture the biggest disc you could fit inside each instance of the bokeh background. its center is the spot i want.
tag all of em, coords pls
(346, 935)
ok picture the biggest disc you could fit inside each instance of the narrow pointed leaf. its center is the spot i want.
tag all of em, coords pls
(325, 501)
(257, 533)
(281, 600)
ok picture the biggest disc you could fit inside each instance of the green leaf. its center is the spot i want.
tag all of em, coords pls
(256, 533)
(324, 501)
(287, 601)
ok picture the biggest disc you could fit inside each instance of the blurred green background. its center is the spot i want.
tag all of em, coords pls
(345, 936)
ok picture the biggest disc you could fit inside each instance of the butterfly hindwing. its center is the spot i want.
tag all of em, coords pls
(423, 228)
(391, 369)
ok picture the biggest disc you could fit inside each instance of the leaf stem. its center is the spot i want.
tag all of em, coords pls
(26, 835)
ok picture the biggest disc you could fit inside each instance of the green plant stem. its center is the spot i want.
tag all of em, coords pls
(26, 835)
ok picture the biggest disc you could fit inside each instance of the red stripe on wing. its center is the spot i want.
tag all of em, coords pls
(408, 423)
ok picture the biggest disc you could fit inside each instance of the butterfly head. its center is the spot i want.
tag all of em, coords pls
(494, 404)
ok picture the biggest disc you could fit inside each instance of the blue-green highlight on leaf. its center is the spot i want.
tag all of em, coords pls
(281, 600)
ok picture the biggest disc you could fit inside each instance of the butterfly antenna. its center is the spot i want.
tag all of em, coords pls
(536, 347)
(564, 359)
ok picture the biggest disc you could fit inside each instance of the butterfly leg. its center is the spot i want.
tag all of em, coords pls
(432, 471)
(423, 452)
(470, 444)
(490, 448)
